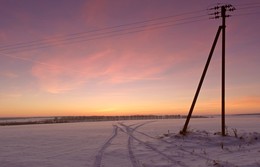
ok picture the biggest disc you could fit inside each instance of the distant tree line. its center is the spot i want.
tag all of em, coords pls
(71, 119)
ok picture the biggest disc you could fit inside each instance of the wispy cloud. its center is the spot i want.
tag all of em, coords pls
(108, 66)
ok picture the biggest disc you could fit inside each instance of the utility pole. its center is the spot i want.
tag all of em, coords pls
(223, 124)
(223, 8)
(201, 82)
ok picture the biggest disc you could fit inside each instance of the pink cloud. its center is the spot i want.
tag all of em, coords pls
(129, 59)
(132, 66)
(61, 73)
(141, 56)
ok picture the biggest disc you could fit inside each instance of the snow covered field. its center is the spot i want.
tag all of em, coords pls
(143, 143)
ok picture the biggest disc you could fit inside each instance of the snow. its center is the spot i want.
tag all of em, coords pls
(139, 143)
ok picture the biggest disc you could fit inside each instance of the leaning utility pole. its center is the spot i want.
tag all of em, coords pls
(223, 8)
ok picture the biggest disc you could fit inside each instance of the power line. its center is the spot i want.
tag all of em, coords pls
(118, 30)
(103, 32)
(102, 29)
(101, 35)
(50, 66)
(245, 14)
(235, 5)
(247, 4)
(247, 7)
(82, 36)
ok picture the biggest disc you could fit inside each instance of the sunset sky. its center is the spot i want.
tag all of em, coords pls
(124, 57)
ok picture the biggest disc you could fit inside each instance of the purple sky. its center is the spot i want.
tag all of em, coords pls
(153, 71)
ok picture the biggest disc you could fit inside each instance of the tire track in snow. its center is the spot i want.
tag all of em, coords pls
(133, 159)
(179, 149)
(129, 131)
(100, 153)
(131, 153)
(130, 145)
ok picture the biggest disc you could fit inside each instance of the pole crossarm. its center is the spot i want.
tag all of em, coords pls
(218, 14)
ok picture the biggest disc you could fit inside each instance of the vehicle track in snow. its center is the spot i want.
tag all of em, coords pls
(100, 153)
(115, 141)
(178, 149)
(129, 131)
(131, 153)
(127, 135)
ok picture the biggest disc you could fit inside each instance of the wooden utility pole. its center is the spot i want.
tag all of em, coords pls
(223, 124)
(223, 8)
(201, 82)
